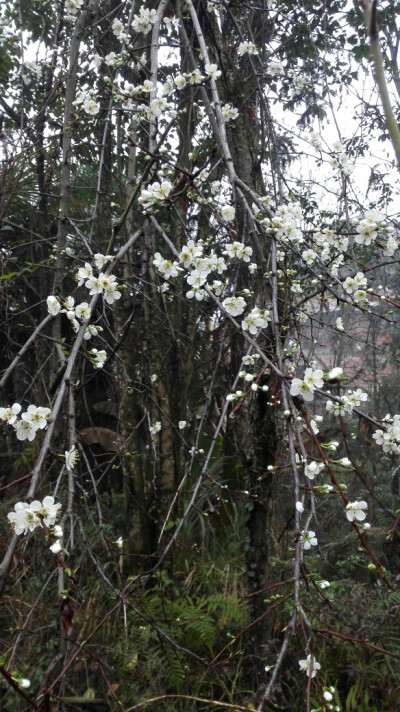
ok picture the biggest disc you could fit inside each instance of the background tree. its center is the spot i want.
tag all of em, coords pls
(199, 295)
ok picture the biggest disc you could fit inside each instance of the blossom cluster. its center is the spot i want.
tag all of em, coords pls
(229, 112)
(327, 249)
(347, 402)
(340, 160)
(30, 67)
(356, 286)
(257, 319)
(371, 227)
(28, 423)
(286, 223)
(80, 313)
(389, 439)
(200, 266)
(104, 284)
(75, 314)
(144, 21)
(238, 250)
(155, 108)
(98, 358)
(367, 228)
(86, 100)
(298, 82)
(247, 48)
(26, 517)
(154, 193)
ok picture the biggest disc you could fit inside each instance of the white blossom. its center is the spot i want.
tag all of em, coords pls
(84, 273)
(117, 27)
(257, 319)
(316, 141)
(49, 510)
(82, 311)
(9, 415)
(98, 358)
(234, 305)
(99, 260)
(247, 48)
(196, 278)
(352, 284)
(389, 439)
(94, 285)
(334, 407)
(238, 250)
(36, 415)
(352, 399)
(91, 106)
(196, 292)
(359, 295)
(190, 252)
(228, 213)
(212, 71)
(53, 305)
(391, 246)
(154, 193)
(144, 21)
(167, 268)
(157, 106)
(91, 330)
(71, 458)
(147, 86)
(26, 517)
(72, 6)
(312, 379)
(111, 293)
(195, 77)
(229, 112)
(344, 462)
(23, 519)
(25, 430)
(313, 468)
(356, 511)
(155, 427)
(309, 666)
(308, 539)
(276, 68)
(309, 256)
(334, 374)
(180, 81)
